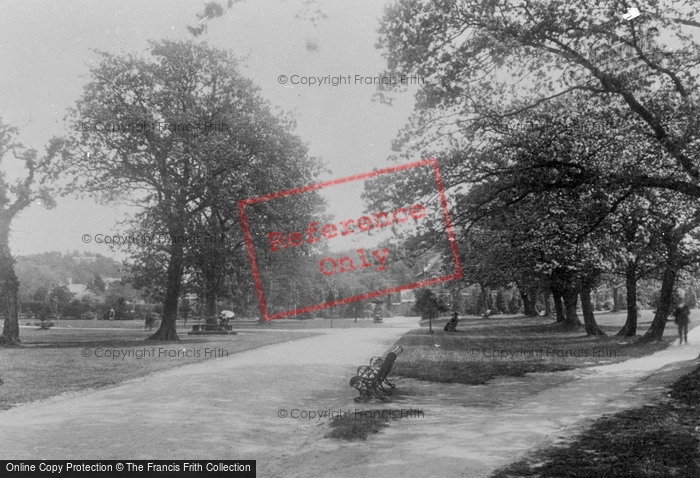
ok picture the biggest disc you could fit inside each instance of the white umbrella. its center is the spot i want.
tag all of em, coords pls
(227, 314)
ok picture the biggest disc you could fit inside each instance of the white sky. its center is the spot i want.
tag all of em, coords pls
(45, 48)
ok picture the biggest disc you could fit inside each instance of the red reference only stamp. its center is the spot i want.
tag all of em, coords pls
(272, 242)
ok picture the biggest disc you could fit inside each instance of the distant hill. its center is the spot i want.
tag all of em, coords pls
(55, 268)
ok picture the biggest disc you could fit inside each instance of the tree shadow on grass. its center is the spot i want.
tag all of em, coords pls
(477, 353)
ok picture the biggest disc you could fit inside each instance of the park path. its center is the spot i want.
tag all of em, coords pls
(220, 409)
(229, 409)
(470, 431)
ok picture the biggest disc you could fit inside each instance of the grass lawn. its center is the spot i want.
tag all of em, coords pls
(658, 440)
(93, 354)
(483, 349)
(320, 323)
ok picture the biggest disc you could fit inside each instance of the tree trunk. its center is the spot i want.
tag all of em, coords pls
(587, 309)
(630, 327)
(547, 302)
(616, 300)
(483, 299)
(10, 331)
(663, 308)
(10, 288)
(210, 303)
(529, 303)
(532, 293)
(167, 330)
(558, 303)
(570, 296)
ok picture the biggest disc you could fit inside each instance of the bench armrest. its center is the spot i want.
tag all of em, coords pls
(376, 361)
(367, 372)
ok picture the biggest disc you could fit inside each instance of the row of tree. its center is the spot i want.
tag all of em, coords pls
(558, 182)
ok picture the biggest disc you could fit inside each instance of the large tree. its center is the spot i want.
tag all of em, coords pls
(14, 198)
(170, 130)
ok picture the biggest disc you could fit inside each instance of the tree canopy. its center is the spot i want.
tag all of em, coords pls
(550, 121)
(180, 134)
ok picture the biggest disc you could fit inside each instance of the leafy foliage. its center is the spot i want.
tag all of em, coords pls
(192, 138)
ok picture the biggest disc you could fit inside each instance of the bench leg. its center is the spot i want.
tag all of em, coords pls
(361, 386)
(381, 386)
(369, 387)
(375, 392)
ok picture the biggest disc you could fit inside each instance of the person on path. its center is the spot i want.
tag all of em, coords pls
(682, 317)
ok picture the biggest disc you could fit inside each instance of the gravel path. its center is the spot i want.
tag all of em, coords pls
(230, 409)
(226, 408)
(469, 431)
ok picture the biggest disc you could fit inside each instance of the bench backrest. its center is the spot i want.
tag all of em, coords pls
(387, 364)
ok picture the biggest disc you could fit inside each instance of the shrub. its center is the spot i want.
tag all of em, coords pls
(75, 309)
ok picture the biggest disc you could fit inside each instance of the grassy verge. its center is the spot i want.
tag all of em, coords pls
(362, 423)
(483, 349)
(658, 440)
(66, 360)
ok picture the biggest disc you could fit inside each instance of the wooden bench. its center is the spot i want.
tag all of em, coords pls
(371, 379)
(212, 325)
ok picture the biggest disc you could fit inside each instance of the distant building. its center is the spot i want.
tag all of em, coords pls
(85, 259)
(430, 269)
(78, 289)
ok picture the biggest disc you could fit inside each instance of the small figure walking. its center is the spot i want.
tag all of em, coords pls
(111, 314)
(451, 326)
(682, 316)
